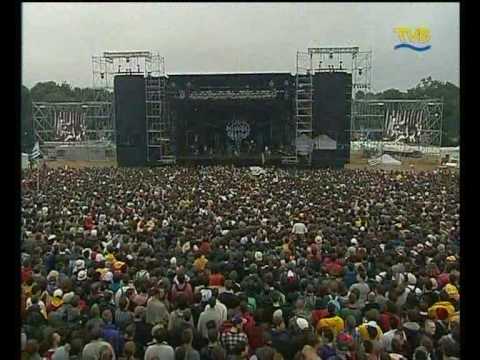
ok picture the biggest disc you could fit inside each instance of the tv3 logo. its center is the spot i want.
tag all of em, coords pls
(409, 37)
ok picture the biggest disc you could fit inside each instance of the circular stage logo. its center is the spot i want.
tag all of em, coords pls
(238, 130)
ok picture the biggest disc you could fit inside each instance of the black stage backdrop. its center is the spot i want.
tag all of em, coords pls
(331, 110)
(130, 120)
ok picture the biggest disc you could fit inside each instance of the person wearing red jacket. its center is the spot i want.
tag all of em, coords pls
(181, 285)
(88, 224)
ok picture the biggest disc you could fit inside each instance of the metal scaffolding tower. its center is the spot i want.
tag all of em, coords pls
(346, 59)
(303, 107)
(152, 67)
(159, 127)
(325, 59)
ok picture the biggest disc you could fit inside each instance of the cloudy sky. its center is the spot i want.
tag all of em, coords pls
(60, 39)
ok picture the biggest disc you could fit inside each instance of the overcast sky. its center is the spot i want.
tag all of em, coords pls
(60, 39)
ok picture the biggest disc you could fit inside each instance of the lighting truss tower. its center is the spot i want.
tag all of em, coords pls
(303, 108)
(159, 127)
(362, 72)
(345, 59)
(152, 67)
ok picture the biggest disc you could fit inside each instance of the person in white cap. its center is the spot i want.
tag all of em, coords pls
(82, 275)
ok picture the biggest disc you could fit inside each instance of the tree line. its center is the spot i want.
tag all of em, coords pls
(51, 91)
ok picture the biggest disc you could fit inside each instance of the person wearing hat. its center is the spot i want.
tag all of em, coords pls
(344, 342)
(235, 335)
(81, 276)
(78, 266)
(56, 302)
(370, 332)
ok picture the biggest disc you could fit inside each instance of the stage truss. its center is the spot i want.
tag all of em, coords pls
(95, 121)
(397, 125)
(345, 59)
(324, 59)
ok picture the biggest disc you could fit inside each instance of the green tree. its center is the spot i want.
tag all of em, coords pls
(450, 94)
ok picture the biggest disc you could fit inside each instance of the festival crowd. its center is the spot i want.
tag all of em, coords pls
(216, 263)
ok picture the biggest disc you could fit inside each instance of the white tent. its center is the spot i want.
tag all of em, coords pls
(25, 161)
(324, 142)
(256, 170)
(385, 159)
(304, 144)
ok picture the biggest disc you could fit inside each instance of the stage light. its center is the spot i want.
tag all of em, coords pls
(360, 70)
(102, 75)
(331, 55)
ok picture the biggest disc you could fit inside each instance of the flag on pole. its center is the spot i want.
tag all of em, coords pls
(35, 154)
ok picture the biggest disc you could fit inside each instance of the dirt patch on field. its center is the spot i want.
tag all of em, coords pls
(356, 162)
(426, 163)
(78, 164)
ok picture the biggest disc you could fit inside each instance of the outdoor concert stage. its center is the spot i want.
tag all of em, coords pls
(244, 119)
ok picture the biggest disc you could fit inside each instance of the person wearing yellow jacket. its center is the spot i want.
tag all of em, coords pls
(370, 331)
(333, 321)
(444, 303)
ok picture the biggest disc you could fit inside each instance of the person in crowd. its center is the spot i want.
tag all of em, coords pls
(217, 258)
(97, 347)
(186, 351)
(209, 318)
(213, 350)
(157, 311)
(234, 335)
(160, 348)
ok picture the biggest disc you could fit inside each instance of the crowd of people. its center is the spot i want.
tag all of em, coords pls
(216, 263)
